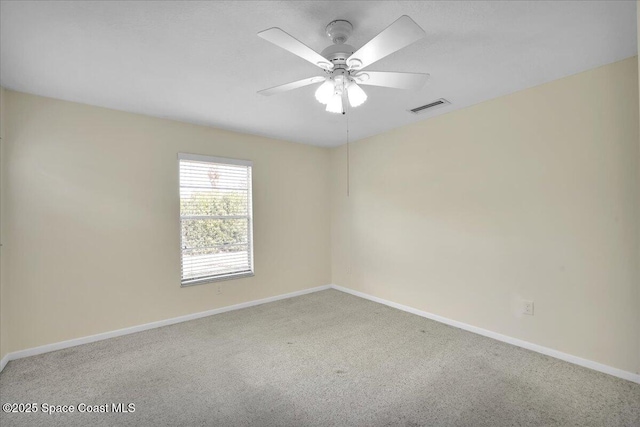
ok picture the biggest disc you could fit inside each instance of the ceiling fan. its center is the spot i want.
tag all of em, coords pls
(343, 65)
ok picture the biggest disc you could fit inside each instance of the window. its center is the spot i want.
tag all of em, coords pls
(215, 219)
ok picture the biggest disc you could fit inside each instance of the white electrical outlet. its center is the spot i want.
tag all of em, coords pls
(219, 290)
(527, 308)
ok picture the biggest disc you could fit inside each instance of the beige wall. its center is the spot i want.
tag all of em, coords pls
(638, 33)
(91, 215)
(534, 195)
(3, 323)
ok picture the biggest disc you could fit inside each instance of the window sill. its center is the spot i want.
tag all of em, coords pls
(214, 279)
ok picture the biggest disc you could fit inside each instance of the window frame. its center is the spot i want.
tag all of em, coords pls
(249, 216)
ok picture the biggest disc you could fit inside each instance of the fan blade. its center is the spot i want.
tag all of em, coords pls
(401, 33)
(291, 86)
(392, 79)
(287, 42)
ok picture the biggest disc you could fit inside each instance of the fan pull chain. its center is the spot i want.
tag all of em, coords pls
(348, 171)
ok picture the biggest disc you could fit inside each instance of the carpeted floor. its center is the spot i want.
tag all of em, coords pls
(323, 359)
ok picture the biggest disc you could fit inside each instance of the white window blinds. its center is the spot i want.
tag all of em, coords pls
(215, 218)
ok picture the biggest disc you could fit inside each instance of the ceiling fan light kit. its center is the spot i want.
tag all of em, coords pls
(342, 63)
(338, 87)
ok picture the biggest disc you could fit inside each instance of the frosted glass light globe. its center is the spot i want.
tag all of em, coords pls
(357, 96)
(325, 91)
(335, 104)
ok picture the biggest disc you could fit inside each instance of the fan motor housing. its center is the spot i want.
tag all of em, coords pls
(338, 53)
(339, 32)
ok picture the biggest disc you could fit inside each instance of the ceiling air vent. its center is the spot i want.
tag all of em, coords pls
(430, 106)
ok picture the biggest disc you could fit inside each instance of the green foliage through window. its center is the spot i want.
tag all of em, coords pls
(208, 236)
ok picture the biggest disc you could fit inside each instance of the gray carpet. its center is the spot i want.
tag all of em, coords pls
(323, 359)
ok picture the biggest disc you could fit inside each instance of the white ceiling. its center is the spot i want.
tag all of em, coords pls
(202, 62)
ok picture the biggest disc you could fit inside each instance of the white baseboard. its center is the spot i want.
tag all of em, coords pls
(4, 362)
(133, 329)
(504, 338)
